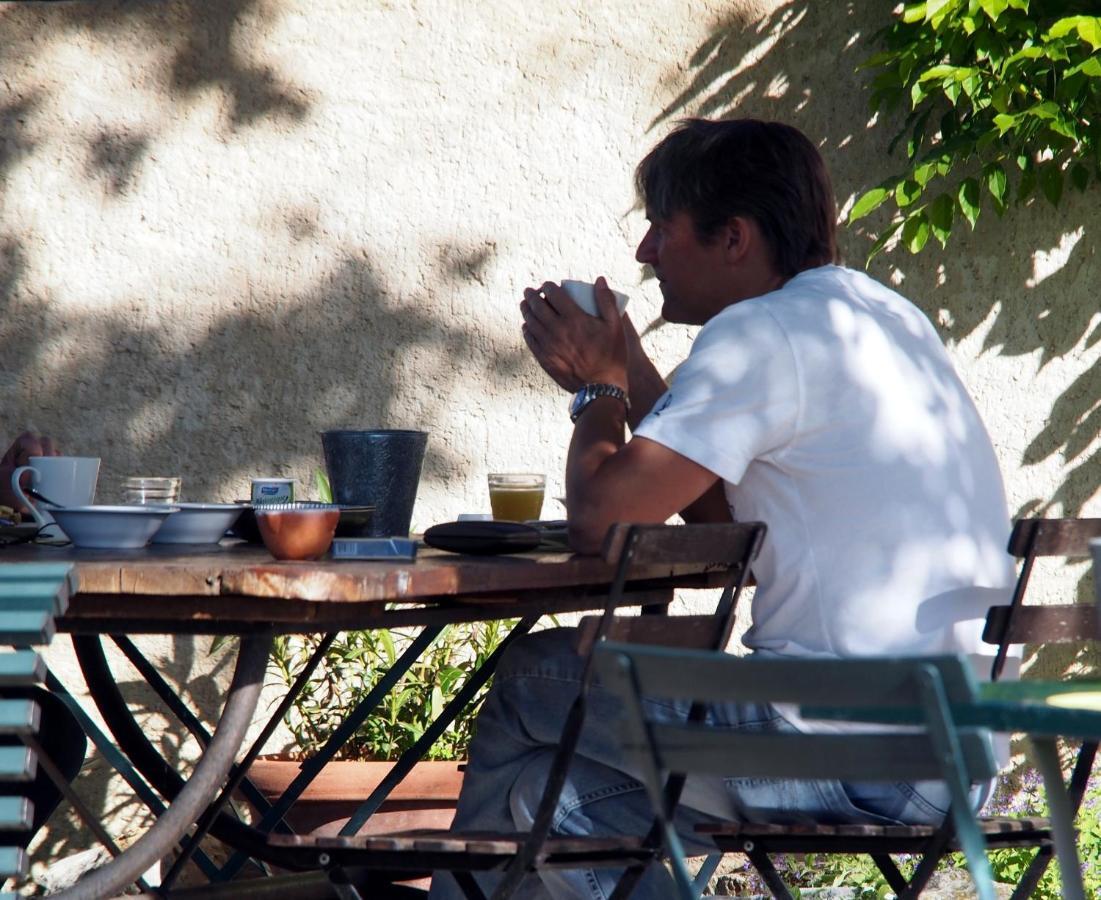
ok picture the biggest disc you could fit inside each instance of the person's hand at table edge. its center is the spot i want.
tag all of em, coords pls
(25, 446)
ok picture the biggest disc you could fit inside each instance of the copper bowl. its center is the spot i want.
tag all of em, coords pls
(297, 530)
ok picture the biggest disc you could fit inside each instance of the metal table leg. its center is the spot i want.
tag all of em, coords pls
(1062, 817)
(211, 771)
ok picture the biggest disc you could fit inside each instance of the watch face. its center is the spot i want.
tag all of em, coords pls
(578, 402)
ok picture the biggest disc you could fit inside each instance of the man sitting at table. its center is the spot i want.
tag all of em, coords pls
(815, 400)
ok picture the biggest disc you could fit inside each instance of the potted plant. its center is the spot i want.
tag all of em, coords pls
(349, 669)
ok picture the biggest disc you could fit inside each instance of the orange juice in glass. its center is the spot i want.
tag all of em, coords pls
(516, 497)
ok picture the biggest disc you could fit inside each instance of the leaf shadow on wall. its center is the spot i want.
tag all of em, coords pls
(239, 390)
(200, 44)
(797, 64)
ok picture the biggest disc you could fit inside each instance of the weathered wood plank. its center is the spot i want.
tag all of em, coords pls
(236, 569)
(1047, 624)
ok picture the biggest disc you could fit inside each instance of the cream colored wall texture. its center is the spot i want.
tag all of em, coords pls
(227, 226)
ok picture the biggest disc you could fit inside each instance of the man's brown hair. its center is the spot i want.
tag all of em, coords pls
(768, 171)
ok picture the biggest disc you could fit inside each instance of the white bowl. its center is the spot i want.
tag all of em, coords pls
(111, 527)
(198, 523)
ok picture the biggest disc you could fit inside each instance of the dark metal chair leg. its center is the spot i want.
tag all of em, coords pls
(890, 871)
(767, 871)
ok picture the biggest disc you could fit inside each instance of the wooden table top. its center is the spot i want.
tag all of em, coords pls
(237, 587)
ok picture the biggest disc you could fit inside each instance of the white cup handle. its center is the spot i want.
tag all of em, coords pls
(17, 489)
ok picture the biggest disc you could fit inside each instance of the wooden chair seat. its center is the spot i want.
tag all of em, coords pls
(999, 831)
(471, 851)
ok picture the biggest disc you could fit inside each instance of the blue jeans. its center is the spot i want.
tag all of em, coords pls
(517, 734)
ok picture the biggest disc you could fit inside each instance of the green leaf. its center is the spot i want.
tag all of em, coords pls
(1000, 98)
(907, 192)
(996, 181)
(916, 231)
(1005, 122)
(324, 491)
(1046, 110)
(1088, 29)
(1025, 53)
(1064, 126)
(994, 8)
(940, 217)
(1090, 68)
(969, 200)
(936, 11)
(1051, 183)
(868, 201)
(940, 72)
(876, 59)
(924, 173)
(881, 241)
(913, 13)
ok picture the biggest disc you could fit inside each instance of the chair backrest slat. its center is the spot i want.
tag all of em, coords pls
(721, 544)
(16, 813)
(17, 763)
(851, 757)
(1057, 624)
(711, 677)
(19, 717)
(13, 861)
(1053, 537)
(1032, 538)
(21, 667)
(26, 626)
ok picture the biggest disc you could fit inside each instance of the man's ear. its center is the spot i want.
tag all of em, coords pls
(737, 237)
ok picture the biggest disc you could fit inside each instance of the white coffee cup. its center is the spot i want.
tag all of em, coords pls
(66, 480)
(583, 294)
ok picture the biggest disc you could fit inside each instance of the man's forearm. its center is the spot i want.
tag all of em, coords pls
(598, 434)
(646, 386)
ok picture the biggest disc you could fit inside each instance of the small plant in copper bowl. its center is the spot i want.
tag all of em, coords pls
(297, 530)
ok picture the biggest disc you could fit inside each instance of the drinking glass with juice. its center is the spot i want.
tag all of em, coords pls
(516, 497)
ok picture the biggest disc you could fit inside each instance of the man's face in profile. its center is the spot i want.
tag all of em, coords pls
(689, 271)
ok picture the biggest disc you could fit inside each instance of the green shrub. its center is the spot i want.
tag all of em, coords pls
(352, 666)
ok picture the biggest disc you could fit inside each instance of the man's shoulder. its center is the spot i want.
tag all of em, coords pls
(803, 297)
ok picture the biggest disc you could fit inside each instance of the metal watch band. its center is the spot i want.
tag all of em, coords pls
(590, 392)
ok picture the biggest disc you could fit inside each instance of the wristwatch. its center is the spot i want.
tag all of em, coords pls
(590, 392)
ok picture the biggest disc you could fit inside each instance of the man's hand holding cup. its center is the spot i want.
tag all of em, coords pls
(574, 347)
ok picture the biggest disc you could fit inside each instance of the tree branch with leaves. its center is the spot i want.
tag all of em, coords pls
(1002, 102)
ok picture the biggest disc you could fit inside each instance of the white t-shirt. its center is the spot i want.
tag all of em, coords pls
(832, 413)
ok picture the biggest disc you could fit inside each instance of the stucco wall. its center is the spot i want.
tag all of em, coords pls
(227, 226)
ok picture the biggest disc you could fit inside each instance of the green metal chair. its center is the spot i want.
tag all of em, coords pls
(31, 595)
(922, 688)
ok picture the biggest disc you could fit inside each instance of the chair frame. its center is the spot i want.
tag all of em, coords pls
(1015, 623)
(928, 684)
(728, 547)
(1019, 623)
(957, 756)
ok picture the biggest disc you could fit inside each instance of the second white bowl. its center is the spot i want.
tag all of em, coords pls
(198, 523)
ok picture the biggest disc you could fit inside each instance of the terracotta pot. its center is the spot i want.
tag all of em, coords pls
(426, 798)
